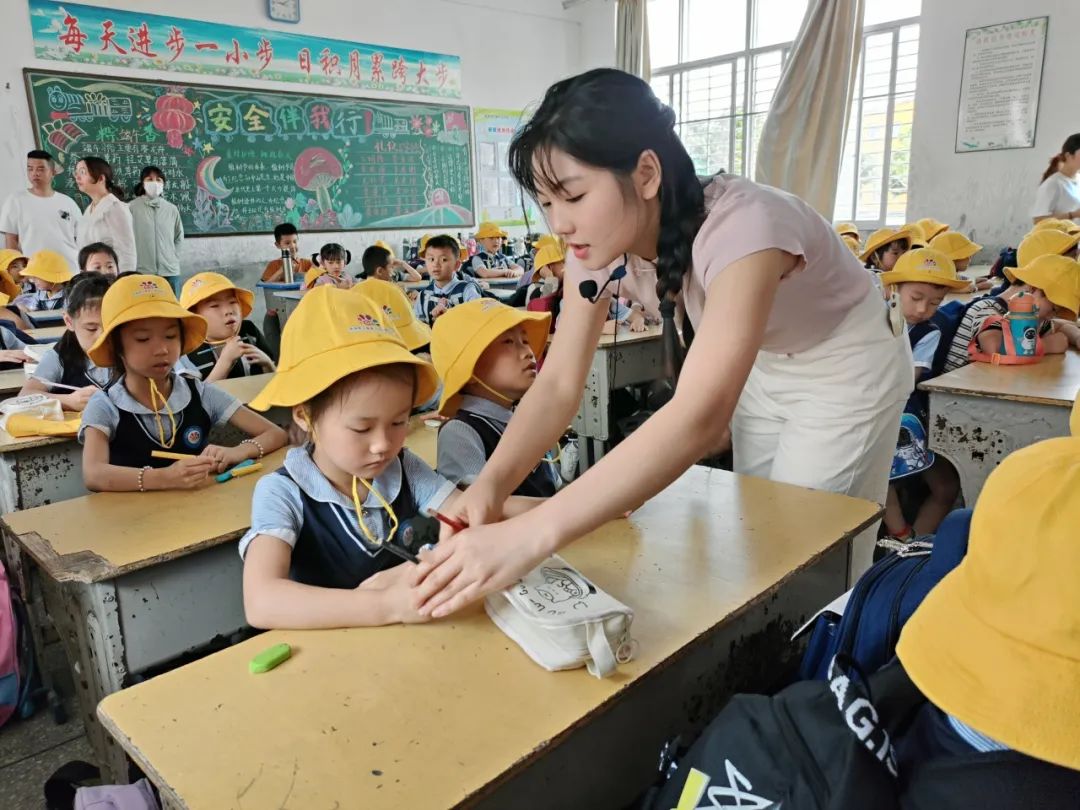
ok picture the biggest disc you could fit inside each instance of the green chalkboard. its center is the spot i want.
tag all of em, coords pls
(241, 161)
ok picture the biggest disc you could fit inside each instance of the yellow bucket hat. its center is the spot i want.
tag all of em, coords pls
(313, 275)
(1058, 277)
(924, 265)
(203, 285)
(955, 245)
(882, 237)
(49, 266)
(133, 298)
(1066, 225)
(423, 243)
(915, 229)
(547, 239)
(334, 333)
(463, 333)
(846, 229)
(548, 254)
(489, 230)
(1047, 242)
(396, 306)
(4, 299)
(381, 244)
(931, 227)
(7, 256)
(996, 643)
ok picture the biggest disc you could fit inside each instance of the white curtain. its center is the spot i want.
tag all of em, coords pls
(632, 38)
(803, 138)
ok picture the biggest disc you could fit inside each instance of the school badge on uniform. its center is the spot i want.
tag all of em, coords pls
(193, 436)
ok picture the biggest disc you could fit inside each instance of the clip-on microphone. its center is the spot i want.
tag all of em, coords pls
(591, 293)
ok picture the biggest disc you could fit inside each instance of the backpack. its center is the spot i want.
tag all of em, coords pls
(16, 654)
(948, 319)
(883, 600)
(829, 746)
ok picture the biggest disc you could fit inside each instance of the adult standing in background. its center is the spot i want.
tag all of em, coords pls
(1059, 193)
(159, 231)
(40, 218)
(107, 219)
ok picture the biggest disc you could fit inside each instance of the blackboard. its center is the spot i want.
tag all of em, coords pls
(241, 161)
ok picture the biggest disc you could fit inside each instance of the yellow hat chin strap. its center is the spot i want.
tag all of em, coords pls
(360, 511)
(491, 390)
(155, 397)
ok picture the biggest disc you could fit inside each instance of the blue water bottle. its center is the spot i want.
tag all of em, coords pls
(1023, 325)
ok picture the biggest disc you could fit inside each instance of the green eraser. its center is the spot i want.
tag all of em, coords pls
(270, 658)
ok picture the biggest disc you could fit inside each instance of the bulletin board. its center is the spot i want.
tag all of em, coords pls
(499, 197)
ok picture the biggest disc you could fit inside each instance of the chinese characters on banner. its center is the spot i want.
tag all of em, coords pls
(499, 196)
(71, 32)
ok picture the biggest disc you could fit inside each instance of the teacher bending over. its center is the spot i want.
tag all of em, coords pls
(1059, 191)
(793, 347)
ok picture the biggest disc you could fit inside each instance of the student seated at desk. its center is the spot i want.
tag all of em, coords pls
(12, 263)
(1054, 281)
(234, 346)
(48, 271)
(960, 249)
(316, 554)
(884, 246)
(66, 361)
(378, 262)
(12, 346)
(99, 257)
(490, 261)
(286, 237)
(447, 289)
(486, 355)
(328, 267)
(149, 407)
(917, 285)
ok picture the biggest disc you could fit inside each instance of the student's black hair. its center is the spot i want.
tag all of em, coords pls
(443, 241)
(139, 191)
(40, 154)
(96, 247)
(284, 229)
(607, 118)
(331, 252)
(1072, 143)
(317, 405)
(374, 257)
(99, 167)
(118, 345)
(881, 251)
(84, 291)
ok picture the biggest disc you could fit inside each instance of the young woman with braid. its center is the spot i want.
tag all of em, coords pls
(793, 349)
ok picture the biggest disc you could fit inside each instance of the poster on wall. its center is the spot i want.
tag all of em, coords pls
(91, 35)
(499, 196)
(999, 88)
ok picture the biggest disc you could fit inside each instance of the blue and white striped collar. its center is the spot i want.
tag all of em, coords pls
(303, 470)
(976, 739)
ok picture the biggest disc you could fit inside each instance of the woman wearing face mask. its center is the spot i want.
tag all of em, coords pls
(158, 229)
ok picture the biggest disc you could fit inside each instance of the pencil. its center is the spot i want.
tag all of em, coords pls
(456, 525)
(170, 455)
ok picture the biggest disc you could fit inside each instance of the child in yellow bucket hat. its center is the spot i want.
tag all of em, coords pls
(379, 262)
(149, 407)
(1047, 242)
(995, 646)
(447, 287)
(48, 271)
(917, 285)
(234, 346)
(849, 232)
(349, 505)
(486, 354)
(960, 249)
(931, 227)
(12, 263)
(490, 261)
(884, 246)
(398, 309)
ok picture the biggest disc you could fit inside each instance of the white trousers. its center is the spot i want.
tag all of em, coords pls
(828, 418)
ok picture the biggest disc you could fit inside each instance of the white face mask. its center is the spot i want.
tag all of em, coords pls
(153, 188)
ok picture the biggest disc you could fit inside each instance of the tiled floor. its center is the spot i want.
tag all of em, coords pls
(30, 750)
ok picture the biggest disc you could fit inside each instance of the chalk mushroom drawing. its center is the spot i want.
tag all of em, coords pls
(316, 169)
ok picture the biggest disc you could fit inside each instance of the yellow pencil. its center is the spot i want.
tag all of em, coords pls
(169, 455)
(247, 470)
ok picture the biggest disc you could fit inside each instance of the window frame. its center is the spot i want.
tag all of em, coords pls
(742, 114)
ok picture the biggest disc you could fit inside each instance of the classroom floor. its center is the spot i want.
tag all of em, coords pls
(30, 751)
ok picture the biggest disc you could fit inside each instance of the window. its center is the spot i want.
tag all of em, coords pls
(717, 63)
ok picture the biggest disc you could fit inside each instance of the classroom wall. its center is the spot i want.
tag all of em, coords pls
(511, 50)
(986, 194)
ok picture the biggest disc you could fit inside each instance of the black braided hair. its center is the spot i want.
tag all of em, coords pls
(607, 118)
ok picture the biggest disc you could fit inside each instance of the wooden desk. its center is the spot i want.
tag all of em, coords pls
(11, 382)
(47, 334)
(719, 569)
(623, 359)
(42, 469)
(980, 413)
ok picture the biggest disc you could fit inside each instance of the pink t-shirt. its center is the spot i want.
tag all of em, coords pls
(745, 218)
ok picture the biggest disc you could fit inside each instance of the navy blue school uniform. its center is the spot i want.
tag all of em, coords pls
(468, 440)
(300, 507)
(132, 429)
(492, 261)
(205, 357)
(457, 291)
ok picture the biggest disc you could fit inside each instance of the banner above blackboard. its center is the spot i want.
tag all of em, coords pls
(71, 32)
(241, 161)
